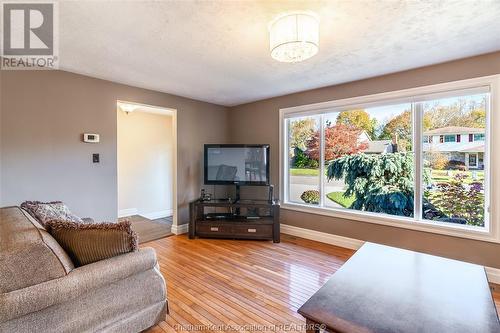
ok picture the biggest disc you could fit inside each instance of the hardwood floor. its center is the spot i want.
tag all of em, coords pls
(148, 230)
(218, 285)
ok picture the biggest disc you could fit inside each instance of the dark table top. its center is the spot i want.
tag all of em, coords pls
(386, 289)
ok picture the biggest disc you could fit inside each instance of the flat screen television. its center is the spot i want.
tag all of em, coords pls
(236, 164)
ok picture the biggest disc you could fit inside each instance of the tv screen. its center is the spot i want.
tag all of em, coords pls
(237, 164)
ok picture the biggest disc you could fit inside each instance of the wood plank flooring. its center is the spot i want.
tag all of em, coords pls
(148, 230)
(246, 286)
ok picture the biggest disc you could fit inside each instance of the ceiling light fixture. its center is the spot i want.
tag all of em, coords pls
(294, 36)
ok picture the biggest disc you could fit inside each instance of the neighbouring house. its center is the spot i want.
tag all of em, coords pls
(376, 146)
(373, 146)
(461, 144)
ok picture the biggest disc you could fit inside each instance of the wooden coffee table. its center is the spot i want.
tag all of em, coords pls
(386, 289)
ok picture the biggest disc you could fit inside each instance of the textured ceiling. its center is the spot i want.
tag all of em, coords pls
(219, 51)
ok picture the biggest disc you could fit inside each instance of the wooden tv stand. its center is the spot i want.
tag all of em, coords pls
(241, 219)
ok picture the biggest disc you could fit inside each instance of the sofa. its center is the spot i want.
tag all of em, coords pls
(42, 291)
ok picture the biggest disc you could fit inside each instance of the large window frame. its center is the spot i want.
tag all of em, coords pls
(489, 84)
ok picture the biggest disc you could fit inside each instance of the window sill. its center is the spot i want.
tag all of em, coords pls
(460, 231)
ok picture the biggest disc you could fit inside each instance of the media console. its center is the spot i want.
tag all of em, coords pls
(239, 219)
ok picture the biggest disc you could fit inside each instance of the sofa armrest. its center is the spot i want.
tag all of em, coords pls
(79, 281)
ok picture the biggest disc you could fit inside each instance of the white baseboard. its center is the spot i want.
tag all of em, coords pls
(322, 237)
(157, 215)
(180, 229)
(492, 273)
(127, 212)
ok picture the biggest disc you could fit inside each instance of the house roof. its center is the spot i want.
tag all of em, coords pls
(476, 149)
(377, 146)
(455, 130)
(469, 147)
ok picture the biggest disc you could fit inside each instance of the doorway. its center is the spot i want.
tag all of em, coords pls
(146, 168)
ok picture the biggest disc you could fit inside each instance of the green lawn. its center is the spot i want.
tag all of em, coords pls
(304, 172)
(442, 176)
(339, 198)
(438, 176)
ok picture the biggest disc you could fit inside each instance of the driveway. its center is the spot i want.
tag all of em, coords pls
(299, 184)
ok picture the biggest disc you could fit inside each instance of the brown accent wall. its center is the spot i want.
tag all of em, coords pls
(43, 115)
(258, 122)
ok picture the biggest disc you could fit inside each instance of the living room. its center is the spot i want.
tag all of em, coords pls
(317, 158)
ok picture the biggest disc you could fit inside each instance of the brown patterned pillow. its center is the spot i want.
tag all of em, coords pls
(47, 211)
(88, 243)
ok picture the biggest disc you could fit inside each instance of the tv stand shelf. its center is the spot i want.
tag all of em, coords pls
(242, 219)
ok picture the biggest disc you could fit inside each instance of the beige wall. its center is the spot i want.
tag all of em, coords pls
(259, 123)
(44, 113)
(145, 163)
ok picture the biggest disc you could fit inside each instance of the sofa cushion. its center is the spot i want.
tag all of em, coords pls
(88, 243)
(46, 211)
(32, 219)
(80, 281)
(28, 255)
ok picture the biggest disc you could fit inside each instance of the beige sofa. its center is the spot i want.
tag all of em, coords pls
(42, 291)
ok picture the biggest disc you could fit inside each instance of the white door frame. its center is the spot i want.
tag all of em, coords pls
(173, 113)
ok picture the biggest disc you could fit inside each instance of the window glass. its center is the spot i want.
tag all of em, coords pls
(361, 149)
(303, 152)
(450, 138)
(454, 177)
(369, 161)
(479, 137)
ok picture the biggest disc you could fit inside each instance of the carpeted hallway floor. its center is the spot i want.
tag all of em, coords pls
(149, 230)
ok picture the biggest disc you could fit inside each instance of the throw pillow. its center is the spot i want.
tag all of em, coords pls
(88, 243)
(46, 211)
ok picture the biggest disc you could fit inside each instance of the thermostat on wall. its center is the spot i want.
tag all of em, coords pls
(91, 138)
